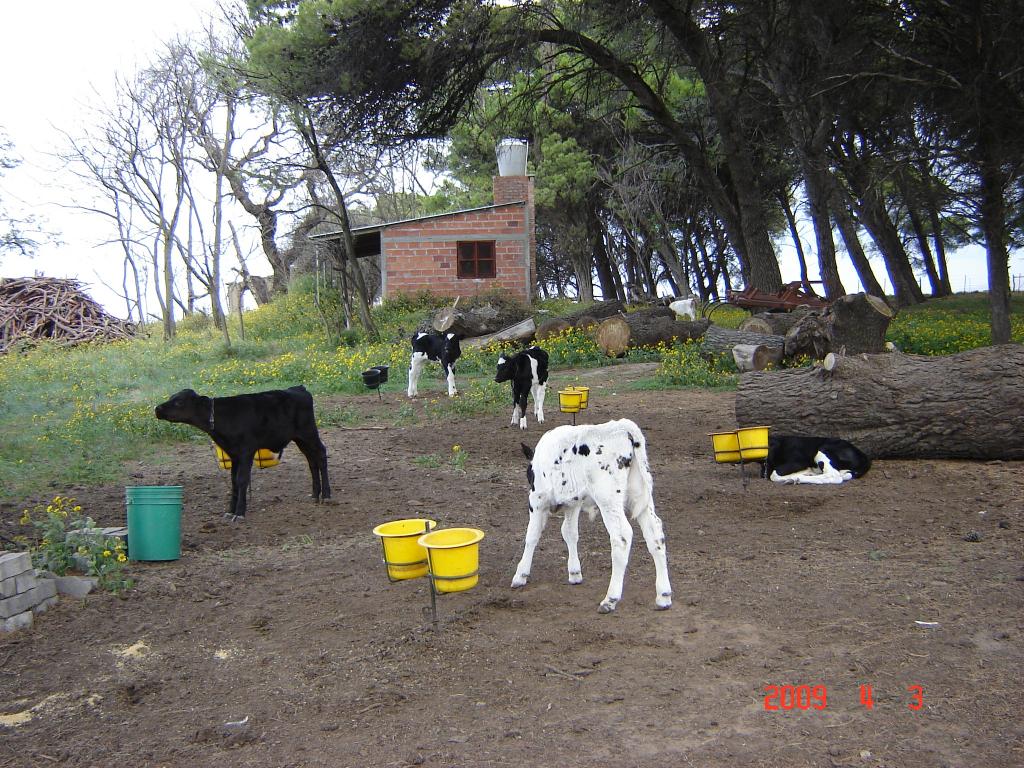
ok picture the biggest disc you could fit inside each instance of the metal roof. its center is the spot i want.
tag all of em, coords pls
(371, 228)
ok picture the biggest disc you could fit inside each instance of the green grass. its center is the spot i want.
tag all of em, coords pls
(75, 416)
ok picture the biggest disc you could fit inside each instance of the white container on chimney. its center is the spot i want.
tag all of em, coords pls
(511, 157)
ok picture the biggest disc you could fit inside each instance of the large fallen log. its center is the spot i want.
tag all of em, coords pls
(645, 328)
(524, 329)
(964, 406)
(599, 311)
(718, 340)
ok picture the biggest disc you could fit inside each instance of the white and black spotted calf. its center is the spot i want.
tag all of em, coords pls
(528, 372)
(600, 468)
(434, 347)
(814, 460)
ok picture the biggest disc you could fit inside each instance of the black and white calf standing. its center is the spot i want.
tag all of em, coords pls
(814, 460)
(435, 347)
(528, 372)
(600, 468)
(242, 424)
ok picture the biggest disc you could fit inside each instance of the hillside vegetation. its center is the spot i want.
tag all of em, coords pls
(73, 416)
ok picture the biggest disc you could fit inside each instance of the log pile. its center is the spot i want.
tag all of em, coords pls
(36, 308)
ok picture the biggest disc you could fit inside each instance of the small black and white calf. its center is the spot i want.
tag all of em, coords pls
(528, 372)
(814, 460)
(600, 468)
(434, 347)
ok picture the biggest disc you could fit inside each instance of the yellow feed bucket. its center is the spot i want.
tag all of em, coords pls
(570, 400)
(454, 555)
(584, 391)
(264, 458)
(727, 447)
(403, 554)
(753, 443)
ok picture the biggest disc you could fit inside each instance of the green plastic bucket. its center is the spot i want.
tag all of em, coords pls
(154, 522)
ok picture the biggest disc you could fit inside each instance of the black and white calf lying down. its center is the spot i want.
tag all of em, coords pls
(814, 460)
(436, 347)
(600, 468)
(528, 372)
(242, 424)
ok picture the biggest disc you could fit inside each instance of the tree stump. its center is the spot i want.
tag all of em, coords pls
(719, 340)
(756, 357)
(964, 406)
(853, 324)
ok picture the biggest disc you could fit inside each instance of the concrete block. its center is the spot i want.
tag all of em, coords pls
(8, 587)
(25, 581)
(12, 606)
(16, 622)
(75, 586)
(13, 563)
(45, 589)
(46, 604)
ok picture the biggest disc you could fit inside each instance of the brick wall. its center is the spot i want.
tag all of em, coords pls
(421, 255)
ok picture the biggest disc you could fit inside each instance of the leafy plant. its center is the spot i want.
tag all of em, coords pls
(458, 458)
(64, 542)
(430, 460)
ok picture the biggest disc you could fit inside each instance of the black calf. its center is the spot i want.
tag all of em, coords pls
(242, 424)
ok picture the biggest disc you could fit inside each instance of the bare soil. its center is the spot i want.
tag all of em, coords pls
(280, 642)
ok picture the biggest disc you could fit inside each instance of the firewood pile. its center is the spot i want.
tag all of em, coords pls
(34, 308)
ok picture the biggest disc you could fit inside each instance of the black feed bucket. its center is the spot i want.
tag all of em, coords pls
(374, 377)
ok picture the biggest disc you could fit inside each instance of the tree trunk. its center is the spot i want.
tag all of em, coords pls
(552, 328)
(646, 328)
(892, 405)
(598, 311)
(476, 321)
(719, 340)
(518, 332)
(776, 323)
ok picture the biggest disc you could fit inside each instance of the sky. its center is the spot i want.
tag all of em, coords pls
(59, 57)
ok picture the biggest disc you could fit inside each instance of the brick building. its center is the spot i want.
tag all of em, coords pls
(461, 253)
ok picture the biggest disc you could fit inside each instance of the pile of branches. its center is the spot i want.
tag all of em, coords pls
(35, 308)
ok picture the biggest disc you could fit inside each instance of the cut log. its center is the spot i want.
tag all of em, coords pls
(756, 357)
(853, 324)
(645, 328)
(524, 329)
(612, 336)
(552, 328)
(776, 323)
(599, 311)
(858, 323)
(964, 406)
(479, 320)
(719, 340)
(755, 324)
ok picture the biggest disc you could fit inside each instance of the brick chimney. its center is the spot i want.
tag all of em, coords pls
(512, 185)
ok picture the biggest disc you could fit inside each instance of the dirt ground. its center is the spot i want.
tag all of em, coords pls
(280, 642)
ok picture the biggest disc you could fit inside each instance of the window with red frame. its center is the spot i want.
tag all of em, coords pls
(476, 259)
